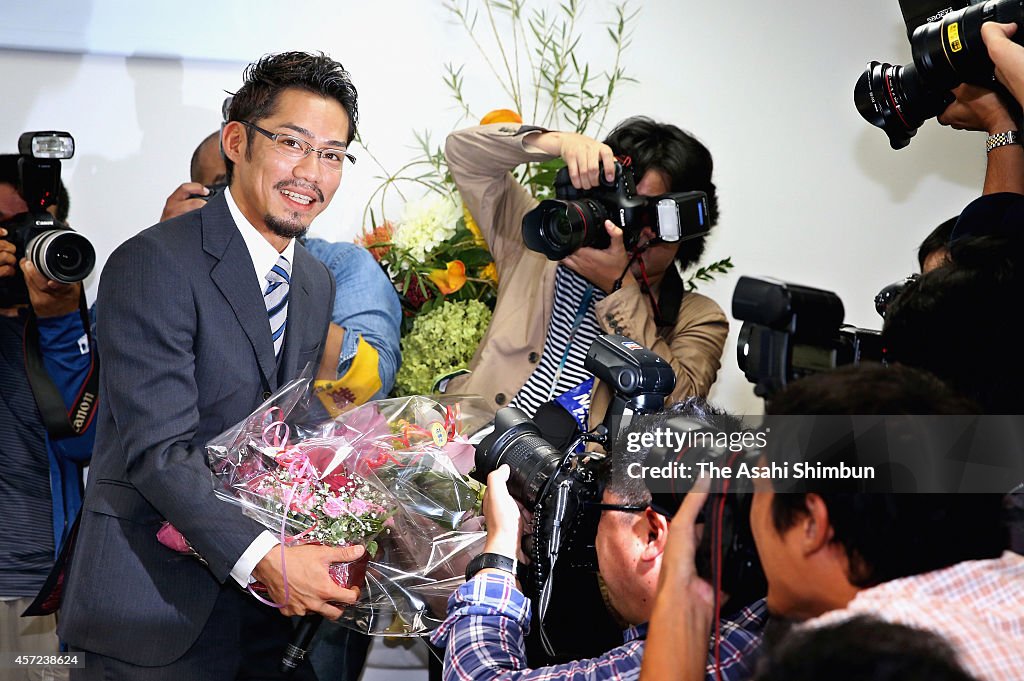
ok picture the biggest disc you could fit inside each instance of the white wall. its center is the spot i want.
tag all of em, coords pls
(809, 192)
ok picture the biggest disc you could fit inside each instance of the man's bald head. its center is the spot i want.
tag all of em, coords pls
(207, 162)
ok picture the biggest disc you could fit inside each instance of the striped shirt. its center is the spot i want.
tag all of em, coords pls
(488, 617)
(976, 605)
(570, 291)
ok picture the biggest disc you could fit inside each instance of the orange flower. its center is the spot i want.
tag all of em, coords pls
(370, 240)
(450, 280)
(501, 116)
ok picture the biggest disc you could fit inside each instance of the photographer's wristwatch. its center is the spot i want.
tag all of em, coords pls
(1001, 139)
(490, 560)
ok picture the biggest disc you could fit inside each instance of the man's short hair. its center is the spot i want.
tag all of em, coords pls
(267, 78)
(862, 648)
(678, 154)
(885, 536)
(632, 489)
(936, 241)
(9, 174)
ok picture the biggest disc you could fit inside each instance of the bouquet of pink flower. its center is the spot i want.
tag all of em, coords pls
(389, 475)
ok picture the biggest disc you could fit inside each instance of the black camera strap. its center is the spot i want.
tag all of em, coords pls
(60, 421)
(670, 294)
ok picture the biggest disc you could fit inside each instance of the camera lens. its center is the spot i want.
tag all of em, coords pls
(950, 51)
(557, 228)
(516, 441)
(61, 255)
(895, 99)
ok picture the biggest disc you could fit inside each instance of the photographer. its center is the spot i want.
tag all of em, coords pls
(40, 475)
(488, 616)
(933, 561)
(949, 321)
(548, 312)
(834, 550)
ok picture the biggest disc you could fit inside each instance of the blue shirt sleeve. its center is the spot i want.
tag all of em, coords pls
(365, 304)
(67, 356)
(483, 636)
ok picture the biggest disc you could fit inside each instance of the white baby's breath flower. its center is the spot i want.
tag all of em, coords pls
(425, 223)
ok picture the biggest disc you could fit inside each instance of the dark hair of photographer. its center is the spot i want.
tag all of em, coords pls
(9, 175)
(885, 536)
(862, 648)
(934, 250)
(951, 321)
(632, 488)
(266, 79)
(687, 163)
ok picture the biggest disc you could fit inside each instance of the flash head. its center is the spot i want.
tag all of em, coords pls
(52, 144)
(640, 379)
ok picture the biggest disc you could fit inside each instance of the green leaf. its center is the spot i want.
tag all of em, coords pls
(708, 272)
(475, 257)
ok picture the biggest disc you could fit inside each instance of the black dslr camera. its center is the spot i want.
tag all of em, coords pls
(560, 487)
(58, 252)
(791, 331)
(945, 39)
(575, 218)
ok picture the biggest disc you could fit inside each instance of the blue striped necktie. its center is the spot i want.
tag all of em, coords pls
(276, 298)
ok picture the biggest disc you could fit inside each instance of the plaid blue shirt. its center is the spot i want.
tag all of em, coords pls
(488, 618)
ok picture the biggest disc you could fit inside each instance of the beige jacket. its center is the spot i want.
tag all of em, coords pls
(480, 160)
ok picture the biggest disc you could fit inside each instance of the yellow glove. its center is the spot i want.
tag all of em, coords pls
(358, 385)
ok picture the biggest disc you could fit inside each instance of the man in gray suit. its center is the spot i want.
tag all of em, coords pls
(203, 317)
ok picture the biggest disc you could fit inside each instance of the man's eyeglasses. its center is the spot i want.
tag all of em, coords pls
(293, 147)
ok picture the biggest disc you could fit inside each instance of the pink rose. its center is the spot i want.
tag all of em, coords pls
(334, 507)
(358, 507)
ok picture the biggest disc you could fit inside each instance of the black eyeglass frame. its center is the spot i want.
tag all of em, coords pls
(306, 146)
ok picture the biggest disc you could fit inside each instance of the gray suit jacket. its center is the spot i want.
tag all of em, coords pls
(186, 352)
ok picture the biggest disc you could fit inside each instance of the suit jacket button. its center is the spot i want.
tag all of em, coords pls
(266, 394)
(500, 398)
(534, 357)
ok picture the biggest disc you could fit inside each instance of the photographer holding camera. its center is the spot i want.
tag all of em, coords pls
(40, 475)
(548, 312)
(965, 71)
(836, 549)
(488, 617)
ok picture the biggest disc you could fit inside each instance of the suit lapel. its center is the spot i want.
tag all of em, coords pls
(233, 275)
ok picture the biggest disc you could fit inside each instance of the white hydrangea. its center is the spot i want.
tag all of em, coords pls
(425, 223)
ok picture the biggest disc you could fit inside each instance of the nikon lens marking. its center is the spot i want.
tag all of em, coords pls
(953, 33)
